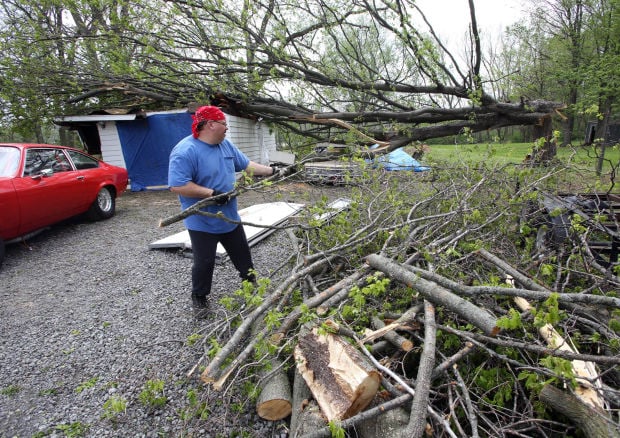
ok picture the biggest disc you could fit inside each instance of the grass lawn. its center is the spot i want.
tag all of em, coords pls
(511, 153)
(581, 162)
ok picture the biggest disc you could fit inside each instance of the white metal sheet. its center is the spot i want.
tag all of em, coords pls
(257, 216)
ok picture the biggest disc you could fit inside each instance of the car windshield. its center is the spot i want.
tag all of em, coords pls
(9, 161)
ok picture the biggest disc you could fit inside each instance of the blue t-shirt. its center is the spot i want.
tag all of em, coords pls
(211, 166)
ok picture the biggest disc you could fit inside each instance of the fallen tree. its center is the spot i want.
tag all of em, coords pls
(413, 276)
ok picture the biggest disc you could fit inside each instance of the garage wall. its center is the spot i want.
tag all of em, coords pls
(111, 150)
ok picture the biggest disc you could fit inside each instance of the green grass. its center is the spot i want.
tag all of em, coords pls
(580, 163)
(496, 154)
(509, 153)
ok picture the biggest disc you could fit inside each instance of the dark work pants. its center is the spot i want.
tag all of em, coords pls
(204, 246)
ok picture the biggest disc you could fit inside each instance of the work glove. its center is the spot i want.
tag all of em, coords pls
(222, 199)
(278, 171)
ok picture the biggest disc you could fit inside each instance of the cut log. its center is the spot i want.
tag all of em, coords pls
(274, 402)
(341, 380)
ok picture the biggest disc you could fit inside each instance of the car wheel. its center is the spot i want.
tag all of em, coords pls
(1, 251)
(104, 205)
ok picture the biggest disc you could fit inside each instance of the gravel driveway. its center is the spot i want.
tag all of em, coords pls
(90, 315)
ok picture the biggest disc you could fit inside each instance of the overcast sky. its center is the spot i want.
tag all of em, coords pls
(450, 18)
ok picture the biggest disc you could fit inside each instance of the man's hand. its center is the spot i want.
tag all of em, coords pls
(222, 199)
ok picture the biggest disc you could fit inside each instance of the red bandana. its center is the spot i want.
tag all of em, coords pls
(206, 113)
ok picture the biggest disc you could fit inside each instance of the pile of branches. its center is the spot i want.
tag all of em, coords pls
(458, 311)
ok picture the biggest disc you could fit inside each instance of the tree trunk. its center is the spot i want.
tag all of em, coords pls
(549, 149)
(601, 131)
(388, 424)
(592, 423)
(306, 414)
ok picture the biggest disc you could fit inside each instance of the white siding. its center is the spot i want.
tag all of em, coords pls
(251, 137)
(111, 151)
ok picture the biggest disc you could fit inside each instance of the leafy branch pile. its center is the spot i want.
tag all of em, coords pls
(452, 287)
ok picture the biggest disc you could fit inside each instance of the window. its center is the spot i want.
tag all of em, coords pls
(9, 160)
(38, 160)
(82, 161)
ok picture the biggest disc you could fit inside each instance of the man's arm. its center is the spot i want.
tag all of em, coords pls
(193, 190)
(258, 169)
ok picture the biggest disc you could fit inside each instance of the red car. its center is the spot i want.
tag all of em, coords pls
(42, 184)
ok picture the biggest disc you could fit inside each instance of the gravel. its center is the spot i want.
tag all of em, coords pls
(90, 315)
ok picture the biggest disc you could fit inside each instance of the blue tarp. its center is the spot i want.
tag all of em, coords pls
(398, 159)
(146, 145)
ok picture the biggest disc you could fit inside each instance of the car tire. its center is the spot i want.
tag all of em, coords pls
(1, 251)
(104, 206)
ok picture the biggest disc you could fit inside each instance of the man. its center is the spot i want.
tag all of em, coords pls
(203, 165)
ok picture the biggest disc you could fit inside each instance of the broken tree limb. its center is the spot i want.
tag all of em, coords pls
(417, 419)
(362, 416)
(443, 366)
(212, 372)
(341, 295)
(343, 285)
(195, 209)
(436, 294)
(348, 126)
(585, 372)
(341, 380)
(468, 407)
(516, 274)
(591, 422)
(403, 321)
(537, 293)
(390, 335)
(479, 339)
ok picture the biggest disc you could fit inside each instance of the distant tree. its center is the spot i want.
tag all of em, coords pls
(571, 46)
